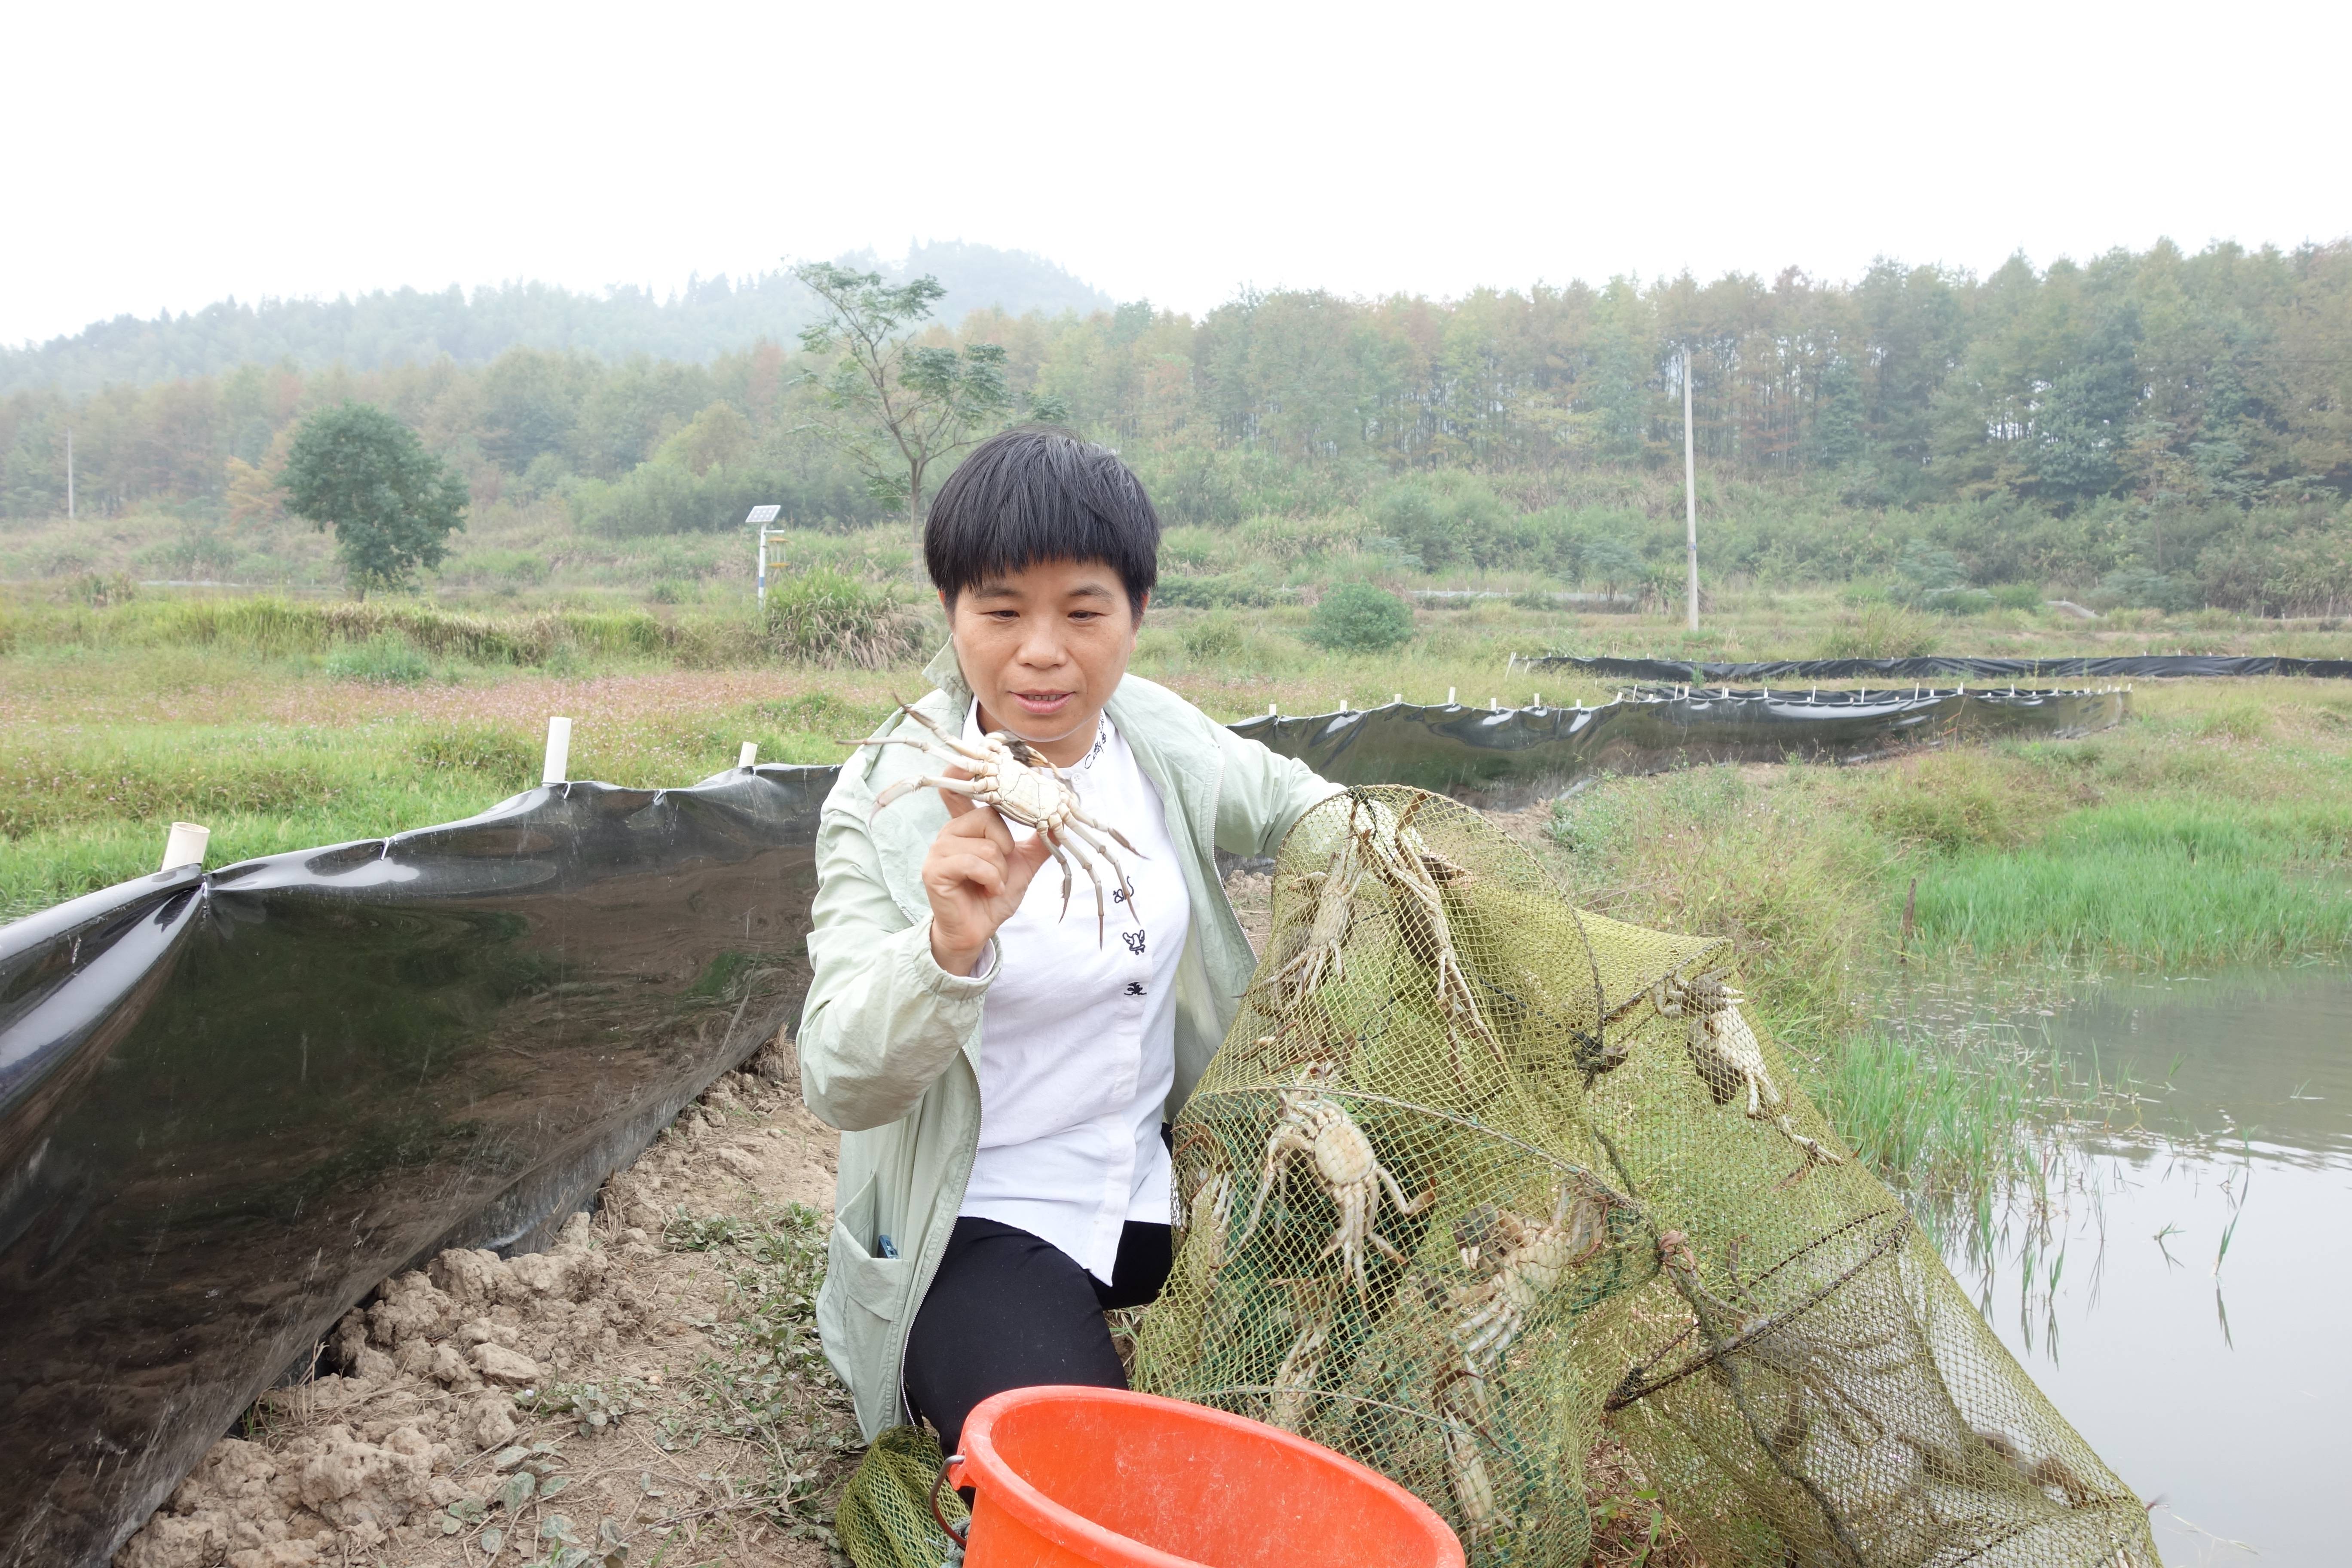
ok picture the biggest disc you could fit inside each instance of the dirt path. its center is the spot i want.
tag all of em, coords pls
(652, 1382)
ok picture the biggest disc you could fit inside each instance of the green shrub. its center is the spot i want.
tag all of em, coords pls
(2137, 588)
(98, 590)
(386, 658)
(1356, 617)
(1231, 589)
(2018, 595)
(1957, 601)
(824, 616)
(1445, 519)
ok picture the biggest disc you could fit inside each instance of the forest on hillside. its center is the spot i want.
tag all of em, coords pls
(705, 319)
(2175, 426)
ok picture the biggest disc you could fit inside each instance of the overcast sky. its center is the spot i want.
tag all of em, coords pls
(166, 158)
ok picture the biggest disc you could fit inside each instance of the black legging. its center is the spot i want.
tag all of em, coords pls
(1008, 1310)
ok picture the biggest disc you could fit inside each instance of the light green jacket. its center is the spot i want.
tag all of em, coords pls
(889, 1042)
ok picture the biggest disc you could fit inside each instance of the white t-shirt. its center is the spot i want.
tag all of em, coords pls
(1078, 1046)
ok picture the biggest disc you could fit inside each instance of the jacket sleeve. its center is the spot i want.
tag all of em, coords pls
(883, 1020)
(1261, 795)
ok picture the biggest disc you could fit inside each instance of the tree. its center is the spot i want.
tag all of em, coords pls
(391, 503)
(1613, 562)
(1356, 617)
(911, 405)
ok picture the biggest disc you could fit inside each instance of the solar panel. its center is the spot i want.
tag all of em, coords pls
(763, 514)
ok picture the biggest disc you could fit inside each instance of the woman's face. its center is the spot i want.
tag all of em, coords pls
(1043, 649)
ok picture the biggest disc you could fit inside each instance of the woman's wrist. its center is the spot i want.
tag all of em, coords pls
(955, 961)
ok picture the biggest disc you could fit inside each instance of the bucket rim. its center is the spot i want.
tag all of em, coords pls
(1069, 1528)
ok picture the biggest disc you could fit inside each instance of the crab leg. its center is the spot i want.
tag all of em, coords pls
(1064, 860)
(1086, 831)
(961, 750)
(1276, 1165)
(970, 789)
(1115, 833)
(953, 742)
(1102, 920)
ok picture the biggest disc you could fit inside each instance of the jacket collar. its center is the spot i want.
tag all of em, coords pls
(946, 672)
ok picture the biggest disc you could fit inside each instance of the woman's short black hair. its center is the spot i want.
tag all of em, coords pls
(1037, 493)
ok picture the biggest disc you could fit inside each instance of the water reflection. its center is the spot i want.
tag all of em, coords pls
(2180, 1287)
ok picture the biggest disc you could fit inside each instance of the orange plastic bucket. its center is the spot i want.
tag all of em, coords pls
(1099, 1476)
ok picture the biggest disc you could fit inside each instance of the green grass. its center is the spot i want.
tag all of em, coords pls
(1943, 1117)
(2192, 837)
(346, 631)
(87, 806)
(2205, 831)
(2172, 883)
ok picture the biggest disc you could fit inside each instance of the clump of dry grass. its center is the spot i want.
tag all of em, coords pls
(826, 617)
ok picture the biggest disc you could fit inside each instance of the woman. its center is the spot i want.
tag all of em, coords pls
(1002, 1076)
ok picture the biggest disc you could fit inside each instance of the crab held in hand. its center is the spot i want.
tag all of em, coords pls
(1009, 775)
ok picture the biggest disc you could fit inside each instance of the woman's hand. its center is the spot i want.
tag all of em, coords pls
(975, 877)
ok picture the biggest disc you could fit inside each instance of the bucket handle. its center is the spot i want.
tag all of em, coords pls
(947, 1467)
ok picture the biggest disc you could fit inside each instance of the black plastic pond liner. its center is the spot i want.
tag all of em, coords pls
(1516, 756)
(232, 1103)
(2139, 667)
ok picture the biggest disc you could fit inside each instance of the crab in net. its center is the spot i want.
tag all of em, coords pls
(1851, 1406)
(1311, 1123)
(1010, 775)
(1724, 1050)
(1382, 851)
(1519, 1265)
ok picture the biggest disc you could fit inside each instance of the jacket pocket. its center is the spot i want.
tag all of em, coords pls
(874, 1284)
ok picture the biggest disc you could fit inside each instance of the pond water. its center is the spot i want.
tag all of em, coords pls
(2218, 1376)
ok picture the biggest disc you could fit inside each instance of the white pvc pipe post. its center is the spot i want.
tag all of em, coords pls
(1274, 710)
(1449, 697)
(750, 754)
(1397, 698)
(559, 753)
(184, 845)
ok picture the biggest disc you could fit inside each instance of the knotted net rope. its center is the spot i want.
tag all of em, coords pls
(1475, 1171)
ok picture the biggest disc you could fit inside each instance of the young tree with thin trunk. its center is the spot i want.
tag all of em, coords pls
(909, 405)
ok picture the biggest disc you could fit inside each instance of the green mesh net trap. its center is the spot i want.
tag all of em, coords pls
(884, 1518)
(1475, 1172)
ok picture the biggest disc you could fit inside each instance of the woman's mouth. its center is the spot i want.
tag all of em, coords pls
(1043, 704)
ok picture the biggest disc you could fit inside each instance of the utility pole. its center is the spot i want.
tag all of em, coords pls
(1690, 489)
(69, 496)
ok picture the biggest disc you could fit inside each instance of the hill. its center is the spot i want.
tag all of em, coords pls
(697, 324)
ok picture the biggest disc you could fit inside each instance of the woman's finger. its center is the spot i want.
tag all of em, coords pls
(972, 870)
(1033, 853)
(957, 804)
(980, 823)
